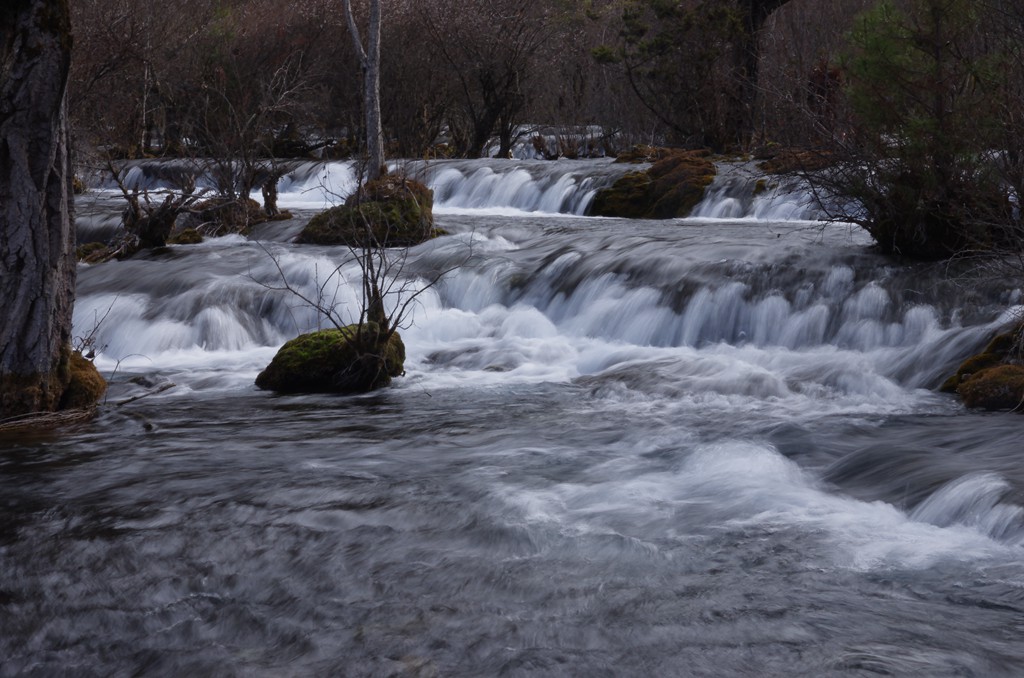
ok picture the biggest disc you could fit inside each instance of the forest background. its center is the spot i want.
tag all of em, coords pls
(916, 103)
(193, 76)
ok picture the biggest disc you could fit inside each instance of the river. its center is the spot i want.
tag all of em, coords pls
(701, 447)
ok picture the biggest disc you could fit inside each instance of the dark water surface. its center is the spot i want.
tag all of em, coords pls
(497, 531)
(679, 452)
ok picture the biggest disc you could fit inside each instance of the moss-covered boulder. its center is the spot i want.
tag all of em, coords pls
(392, 211)
(1001, 349)
(994, 378)
(671, 188)
(86, 385)
(353, 359)
(627, 197)
(1000, 387)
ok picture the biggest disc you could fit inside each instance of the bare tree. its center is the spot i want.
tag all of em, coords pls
(492, 50)
(364, 350)
(369, 60)
(147, 222)
(37, 288)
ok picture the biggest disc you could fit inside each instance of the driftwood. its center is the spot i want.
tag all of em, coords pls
(37, 422)
(44, 421)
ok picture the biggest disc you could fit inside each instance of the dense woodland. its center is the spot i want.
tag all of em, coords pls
(915, 103)
(193, 76)
(188, 76)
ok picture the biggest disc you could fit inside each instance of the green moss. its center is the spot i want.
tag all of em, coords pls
(627, 197)
(971, 366)
(354, 359)
(22, 394)
(1001, 349)
(1004, 343)
(647, 153)
(86, 385)
(996, 388)
(671, 188)
(392, 211)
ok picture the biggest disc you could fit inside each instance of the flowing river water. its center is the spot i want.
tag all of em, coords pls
(703, 447)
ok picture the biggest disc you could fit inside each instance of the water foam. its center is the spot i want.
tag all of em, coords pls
(747, 488)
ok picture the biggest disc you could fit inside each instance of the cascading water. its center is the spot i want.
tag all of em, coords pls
(697, 447)
(741, 191)
(562, 187)
(553, 187)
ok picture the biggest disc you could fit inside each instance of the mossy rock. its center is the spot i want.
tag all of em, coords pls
(968, 368)
(997, 352)
(996, 388)
(993, 379)
(627, 197)
(86, 386)
(353, 359)
(392, 211)
(671, 188)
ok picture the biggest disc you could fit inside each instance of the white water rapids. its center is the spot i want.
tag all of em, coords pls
(710, 446)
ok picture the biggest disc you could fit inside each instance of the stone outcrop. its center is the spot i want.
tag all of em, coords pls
(670, 188)
(352, 359)
(392, 211)
(994, 378)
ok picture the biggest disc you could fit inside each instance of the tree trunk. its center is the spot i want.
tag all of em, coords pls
(506, 135)
(374, 128)
(482, 128)
(369, 59)
(37, 284)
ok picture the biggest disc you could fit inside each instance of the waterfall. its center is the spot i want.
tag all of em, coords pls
(739, 191)
(512, 186)
(553, 187)
(805, 314)
(806, 308)
(976, 501)
(742, 191)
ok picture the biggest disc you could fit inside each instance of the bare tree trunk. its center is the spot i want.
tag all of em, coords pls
(369, 59)
(37, 283)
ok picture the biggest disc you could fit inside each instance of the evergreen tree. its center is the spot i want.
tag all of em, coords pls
(922, 95)
(694, 65)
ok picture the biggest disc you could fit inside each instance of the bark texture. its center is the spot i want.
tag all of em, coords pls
(37, 266)
(369, 60)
